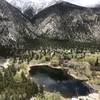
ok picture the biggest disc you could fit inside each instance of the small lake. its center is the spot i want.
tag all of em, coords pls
(56, 80)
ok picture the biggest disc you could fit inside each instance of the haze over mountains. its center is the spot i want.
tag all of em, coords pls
(61, 21)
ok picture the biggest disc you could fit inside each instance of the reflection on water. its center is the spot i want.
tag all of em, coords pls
(68, 88)
(43, 79)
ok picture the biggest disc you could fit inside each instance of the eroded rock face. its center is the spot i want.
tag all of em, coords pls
(68, 21)
(14, 27)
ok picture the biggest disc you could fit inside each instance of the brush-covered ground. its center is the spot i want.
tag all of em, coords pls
(15, 80)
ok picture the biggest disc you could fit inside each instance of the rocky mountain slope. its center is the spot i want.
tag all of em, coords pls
(14, 27)
(62, 21)
(67, 21)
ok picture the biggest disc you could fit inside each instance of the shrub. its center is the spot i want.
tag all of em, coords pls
(16, 86)
(43, 59)
(49, 96)
(47, 57)
(92, 59)
(55, 61)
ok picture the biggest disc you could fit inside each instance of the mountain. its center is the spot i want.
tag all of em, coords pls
(21, 4)
(31, 7)
(29, 13)
(37, 5)
(15, 29)
(66, 21)
(61, 21)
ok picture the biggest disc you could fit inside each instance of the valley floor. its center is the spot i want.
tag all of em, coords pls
(86, 65)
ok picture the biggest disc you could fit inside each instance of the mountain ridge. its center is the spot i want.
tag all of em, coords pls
(62, 22)
(67, 21)
(26, 4)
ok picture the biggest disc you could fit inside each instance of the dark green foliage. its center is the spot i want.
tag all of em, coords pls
(1, 81)
(97, 62)
(10, 89)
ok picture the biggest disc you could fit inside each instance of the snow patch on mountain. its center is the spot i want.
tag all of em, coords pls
(38, 5)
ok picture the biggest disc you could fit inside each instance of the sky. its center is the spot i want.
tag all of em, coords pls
(85, 3)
